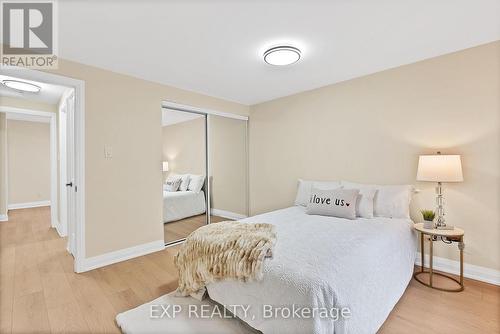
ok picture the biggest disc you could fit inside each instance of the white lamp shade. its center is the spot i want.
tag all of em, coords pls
(440, 168)
(165, 166)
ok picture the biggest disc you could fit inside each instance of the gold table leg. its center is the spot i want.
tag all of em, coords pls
(431, 242)
(461, 247)
(422, 252)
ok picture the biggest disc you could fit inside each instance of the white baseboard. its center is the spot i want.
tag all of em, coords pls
(28, 205)
(121, 255)
(478, 273)
(4, 218)
(60, 230)
(226, 214)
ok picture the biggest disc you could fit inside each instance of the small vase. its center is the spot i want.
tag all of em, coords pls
(428, 224)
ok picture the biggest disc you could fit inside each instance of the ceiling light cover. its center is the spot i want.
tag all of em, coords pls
(21, 86)
(282, 55)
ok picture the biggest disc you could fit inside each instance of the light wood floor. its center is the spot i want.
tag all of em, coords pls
(39, 292)
(182, 228)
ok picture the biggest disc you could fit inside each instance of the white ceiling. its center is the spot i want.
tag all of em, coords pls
(215, 47)
(170, 117)
(48, 93)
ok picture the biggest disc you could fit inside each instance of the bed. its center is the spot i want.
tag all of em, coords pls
(318, 262)
(325, 262)
(182, 204)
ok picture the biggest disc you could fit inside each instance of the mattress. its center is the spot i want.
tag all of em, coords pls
(320, 263)
(182, 204)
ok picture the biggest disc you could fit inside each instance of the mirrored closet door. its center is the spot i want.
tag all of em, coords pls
(205, 170)
(185, 193)
(228, 174)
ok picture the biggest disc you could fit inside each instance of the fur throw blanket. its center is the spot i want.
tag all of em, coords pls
(223, 250)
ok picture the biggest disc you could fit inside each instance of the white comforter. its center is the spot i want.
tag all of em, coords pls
(364, 265)
(182, 204)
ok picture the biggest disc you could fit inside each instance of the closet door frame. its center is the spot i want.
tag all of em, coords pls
(209, 112)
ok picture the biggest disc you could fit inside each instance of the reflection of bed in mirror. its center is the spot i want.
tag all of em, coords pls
(184, 205)
(178, 205)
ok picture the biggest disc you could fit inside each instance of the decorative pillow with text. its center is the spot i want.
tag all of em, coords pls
(336, 203)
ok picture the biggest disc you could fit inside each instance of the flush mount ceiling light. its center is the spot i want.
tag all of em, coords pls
(282, 55)
(21, 86)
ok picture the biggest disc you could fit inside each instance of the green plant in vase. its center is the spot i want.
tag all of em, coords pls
(428, 216)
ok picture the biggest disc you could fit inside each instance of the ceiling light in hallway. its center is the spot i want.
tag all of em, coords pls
(21, 86)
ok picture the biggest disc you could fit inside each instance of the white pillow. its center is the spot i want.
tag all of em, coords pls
(392, 201)
(196, 183)
(172, 183)
(365, 201)
(184, 181)
(304, 189)
(336, 202)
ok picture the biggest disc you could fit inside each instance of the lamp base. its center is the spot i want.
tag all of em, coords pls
(440, 223)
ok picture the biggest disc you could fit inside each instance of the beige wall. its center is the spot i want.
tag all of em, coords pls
(184, 147)
(28, 161)
(373, 128)
(3, 164)
(228, 162)
(123, 194)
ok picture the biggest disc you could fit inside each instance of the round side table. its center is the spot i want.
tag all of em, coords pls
(448, 237)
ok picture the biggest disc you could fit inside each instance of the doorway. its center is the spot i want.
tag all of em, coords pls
(29, 161)
(67, 199)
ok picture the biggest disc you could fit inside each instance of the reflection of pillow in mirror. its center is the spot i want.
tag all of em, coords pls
(184, 181)
(172, 183)
(196, 183)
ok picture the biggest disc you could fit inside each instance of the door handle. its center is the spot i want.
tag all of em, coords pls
(69, 184)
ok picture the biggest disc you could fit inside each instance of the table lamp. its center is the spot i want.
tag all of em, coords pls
(440, 168)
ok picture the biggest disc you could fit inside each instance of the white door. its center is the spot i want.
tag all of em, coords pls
(70, 172)
(63, 202)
